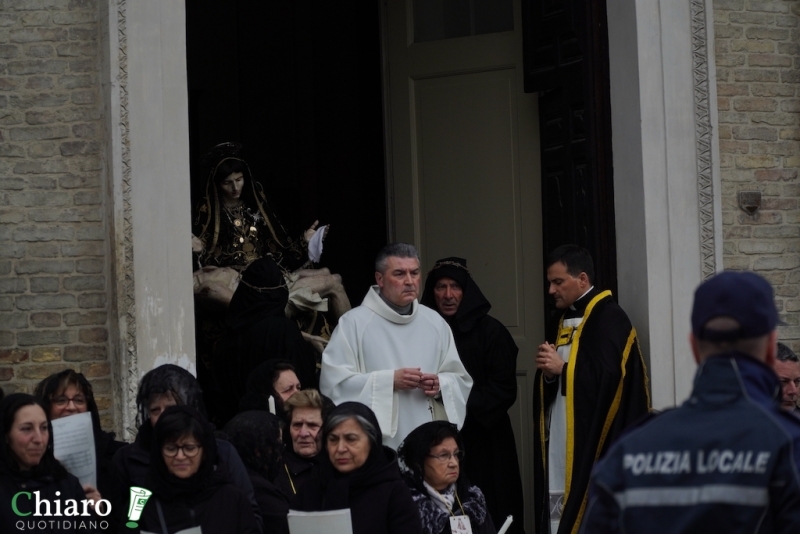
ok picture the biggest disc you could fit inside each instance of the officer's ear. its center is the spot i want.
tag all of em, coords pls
(772, 349)
(695, 348)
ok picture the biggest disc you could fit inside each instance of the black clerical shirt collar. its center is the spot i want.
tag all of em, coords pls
(577, 308)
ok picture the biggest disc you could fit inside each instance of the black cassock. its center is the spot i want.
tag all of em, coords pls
(489, 354)
(606, 382)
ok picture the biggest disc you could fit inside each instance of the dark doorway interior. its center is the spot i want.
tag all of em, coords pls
(566, 61)
(298, 83)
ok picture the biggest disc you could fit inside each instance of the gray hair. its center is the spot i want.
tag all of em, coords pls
(335, 420)
(397, 250)
(785, 354)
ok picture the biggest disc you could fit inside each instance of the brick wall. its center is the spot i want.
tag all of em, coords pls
(758, 75)
(53, 244)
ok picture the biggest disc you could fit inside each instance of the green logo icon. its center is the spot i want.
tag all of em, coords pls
(139, 497)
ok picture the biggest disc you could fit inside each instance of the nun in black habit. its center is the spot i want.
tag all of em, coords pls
(489, 354)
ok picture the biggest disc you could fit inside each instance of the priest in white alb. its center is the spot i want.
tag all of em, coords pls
(396, 356)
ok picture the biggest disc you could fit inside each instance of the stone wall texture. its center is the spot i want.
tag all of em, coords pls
(758, 76)
(54, 279)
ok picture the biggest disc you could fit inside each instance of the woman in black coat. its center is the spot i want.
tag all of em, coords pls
(67, 393)
(431, 458)
(256, 435)
(27, 465)
(188, 490)
(359, 473)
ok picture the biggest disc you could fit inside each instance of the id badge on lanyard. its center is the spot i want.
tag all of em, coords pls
(459, 524)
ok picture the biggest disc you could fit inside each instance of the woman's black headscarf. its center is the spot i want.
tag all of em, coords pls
(337, 485)
(256, 435)
(473, 304)
(260, 386)
(417, 446)
(167, 378)
(9, 465)
(174, 423)
(413, 452)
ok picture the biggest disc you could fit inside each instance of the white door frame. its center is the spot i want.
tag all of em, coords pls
(666, 169)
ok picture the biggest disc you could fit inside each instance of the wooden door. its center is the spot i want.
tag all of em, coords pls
(462, 140)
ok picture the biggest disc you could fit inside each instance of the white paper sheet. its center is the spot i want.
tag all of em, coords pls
(329, 522)
(315, 245)
(73, 442)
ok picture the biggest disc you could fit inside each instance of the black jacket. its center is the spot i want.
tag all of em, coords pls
(47, 486)
(226, 510)
(132, 463)
(721, 462)
(272, 503)
(380, 502)
(294, 474)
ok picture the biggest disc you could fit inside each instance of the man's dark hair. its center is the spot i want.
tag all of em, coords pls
(576, 259)
(398, 250)
(785, 354)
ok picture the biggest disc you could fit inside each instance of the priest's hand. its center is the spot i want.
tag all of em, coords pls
(429, 384)
(407, 378)
(92, 495)
(548, 360)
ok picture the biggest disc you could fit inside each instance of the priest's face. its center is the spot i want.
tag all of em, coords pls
(399, 282)
(448, 294)
(564, 287)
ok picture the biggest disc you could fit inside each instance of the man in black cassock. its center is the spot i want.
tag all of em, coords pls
(583, 399)
(490, 356)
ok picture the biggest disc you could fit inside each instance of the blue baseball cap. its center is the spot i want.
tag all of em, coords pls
(743, 296)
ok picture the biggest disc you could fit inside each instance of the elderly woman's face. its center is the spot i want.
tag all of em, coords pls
(442, 465)
(305, 431)
(28, 436)
(348, 446)
(68, 401)
(287, 384)
(230, 188)
(183, 456)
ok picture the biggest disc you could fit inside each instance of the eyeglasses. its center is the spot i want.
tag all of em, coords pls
(63, 400)
(445, 456)
(190, 450)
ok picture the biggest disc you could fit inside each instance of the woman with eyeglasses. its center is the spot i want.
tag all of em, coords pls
(430, 458)
(68, 393)
(188, 488)
(360, 473)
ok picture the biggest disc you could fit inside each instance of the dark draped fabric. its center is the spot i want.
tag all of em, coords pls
(489, 354)
(607, 340)
(257, 331)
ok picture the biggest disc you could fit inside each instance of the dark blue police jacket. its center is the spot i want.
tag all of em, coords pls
(721, 462)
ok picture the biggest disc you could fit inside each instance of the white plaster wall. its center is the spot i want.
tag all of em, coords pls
(161, 209)
(655, 182)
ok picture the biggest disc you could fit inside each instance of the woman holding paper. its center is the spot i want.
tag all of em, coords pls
(360, 473)
(68, 393)
(27, 465)
(431, 460)
(188, 489)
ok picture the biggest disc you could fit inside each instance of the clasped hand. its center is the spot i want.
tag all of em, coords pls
(413, 377)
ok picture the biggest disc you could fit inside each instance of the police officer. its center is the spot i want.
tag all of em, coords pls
(724, 460)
